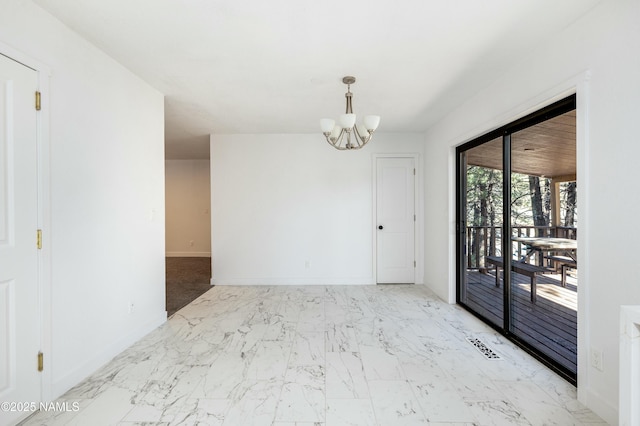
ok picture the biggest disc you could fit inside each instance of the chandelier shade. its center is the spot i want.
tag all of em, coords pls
(345, 134)
(327, 125)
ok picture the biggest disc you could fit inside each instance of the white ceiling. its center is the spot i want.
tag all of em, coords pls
(258, 66)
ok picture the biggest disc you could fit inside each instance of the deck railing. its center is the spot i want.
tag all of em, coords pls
(482, 241)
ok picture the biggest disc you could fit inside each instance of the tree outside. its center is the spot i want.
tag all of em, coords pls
(530, 207)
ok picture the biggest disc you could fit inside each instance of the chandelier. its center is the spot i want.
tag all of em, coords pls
(346, 134)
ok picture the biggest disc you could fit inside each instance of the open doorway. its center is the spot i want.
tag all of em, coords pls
(520, 181)
(188, 231)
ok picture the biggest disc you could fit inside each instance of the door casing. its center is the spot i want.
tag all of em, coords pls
(43, 212)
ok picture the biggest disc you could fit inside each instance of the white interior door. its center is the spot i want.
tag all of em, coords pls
(395, 214)
(19, 295)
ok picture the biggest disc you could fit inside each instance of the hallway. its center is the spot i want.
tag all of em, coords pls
(325, 355)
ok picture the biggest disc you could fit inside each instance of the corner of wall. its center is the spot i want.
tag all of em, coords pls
(83, 371)
(601, 407)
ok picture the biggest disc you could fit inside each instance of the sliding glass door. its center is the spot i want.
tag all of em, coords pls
(517, 239)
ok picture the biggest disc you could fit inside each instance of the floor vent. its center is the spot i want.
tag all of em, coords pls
(484, 349)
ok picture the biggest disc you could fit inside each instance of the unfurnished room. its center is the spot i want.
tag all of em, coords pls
(319, 213)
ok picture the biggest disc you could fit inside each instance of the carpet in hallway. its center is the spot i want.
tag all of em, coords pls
(187, 278)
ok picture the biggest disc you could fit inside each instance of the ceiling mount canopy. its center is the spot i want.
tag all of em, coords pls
(346, 135)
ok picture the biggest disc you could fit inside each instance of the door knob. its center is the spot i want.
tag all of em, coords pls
(380, 227)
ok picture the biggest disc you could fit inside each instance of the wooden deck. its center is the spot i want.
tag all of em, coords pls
(549, 325)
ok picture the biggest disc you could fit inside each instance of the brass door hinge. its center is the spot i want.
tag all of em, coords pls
(38, 101)
(40, 361)
(39, 239)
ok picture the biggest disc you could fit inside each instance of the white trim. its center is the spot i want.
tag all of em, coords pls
(188, 254)
(453, 236)
(44, 213)
(586, 395)
(24, 59)
(292, 281)
(581, 85)
(629, 388)
(600, 406)
(418, 249)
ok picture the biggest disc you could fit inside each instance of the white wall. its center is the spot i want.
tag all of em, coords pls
(188, 202)
(104, 221)
(605, 43)
(279, 201)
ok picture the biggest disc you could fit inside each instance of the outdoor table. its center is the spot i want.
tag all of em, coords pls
(548, 244)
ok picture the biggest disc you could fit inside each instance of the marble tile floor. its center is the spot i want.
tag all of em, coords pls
(321, 355)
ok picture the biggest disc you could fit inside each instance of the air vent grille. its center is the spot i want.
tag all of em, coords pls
(484, 349)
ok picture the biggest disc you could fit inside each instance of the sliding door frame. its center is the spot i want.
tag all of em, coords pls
(555, 109)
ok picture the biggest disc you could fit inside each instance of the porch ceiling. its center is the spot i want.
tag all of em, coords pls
(547, 149)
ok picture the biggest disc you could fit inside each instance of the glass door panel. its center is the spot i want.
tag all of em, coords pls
(543, 296)
(482, 216)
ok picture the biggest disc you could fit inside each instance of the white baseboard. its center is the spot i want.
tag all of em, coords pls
(72, 378)
(602, 408)
(293, 281)
(188, 254)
